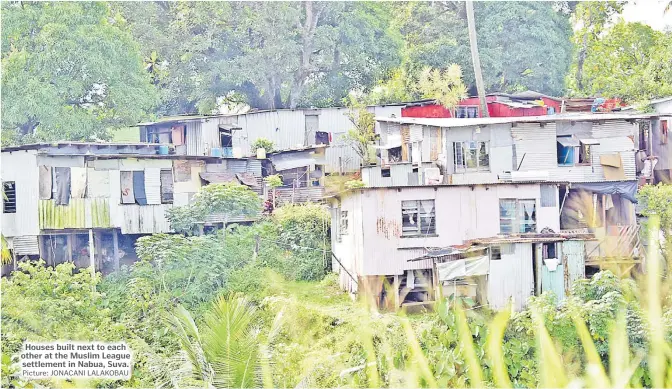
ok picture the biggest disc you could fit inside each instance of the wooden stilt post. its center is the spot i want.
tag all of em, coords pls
(397, 284)
(115, 249)
(92, 259)
(68, 247)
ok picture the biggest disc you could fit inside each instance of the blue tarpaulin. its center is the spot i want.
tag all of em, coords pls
(626, 189)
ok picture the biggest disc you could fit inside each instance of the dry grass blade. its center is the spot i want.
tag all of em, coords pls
(594, 370)
(467, 343)
(495, 352)
(552, 370)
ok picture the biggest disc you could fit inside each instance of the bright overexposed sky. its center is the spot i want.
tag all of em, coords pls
(650, 12)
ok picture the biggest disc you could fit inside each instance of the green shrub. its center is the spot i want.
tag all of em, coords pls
(262, 143)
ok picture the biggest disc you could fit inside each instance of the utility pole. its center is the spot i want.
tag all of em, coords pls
(475, 59)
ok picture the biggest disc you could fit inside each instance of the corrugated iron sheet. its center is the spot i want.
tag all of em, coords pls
(254, 166)
(80, 213)
(518, 267)
(21, 167)
(299, 195)
(535, 146)
(25, 245)
(614, 128)
(194, 138)
(553, 280)
(341, 158)
(153, 186)
(574, 255)
(236, 165)
(145, 219)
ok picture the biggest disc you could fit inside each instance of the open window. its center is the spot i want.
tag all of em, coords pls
(322, 138)
(9, 199)
(418, 218)
(548, 251)
(566, 146)
(225, 137)
(572, 151)
(495, 253)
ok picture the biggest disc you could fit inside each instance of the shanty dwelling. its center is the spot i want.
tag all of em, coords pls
(398, 235)
(234, 134)
(591, 157)
(528, 103)
(302, 173)
(655, 151)
(66, 200)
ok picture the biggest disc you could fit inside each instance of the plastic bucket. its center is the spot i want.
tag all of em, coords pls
(163, 149)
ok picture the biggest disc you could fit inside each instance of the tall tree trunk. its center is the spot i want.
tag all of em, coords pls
(475, 59)
(579, 63)
(307, 40)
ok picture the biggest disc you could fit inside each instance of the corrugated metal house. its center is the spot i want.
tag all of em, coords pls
(233, 135)
(593, 154)
(61, 194)
(389, 233)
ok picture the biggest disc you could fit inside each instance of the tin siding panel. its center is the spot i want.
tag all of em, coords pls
(25, 245)
(98, 184)
(614, 128)
(518, 267)
(574, 255)
(21, 167)
(144, 219)
(535, 146)
(194, 139)
(553, 281)
(153, 186)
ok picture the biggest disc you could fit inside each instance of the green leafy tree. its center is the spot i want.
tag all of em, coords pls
(268, 55)
(591, 18)
(627, 61)
(521, 45)
(445, 87)
(70, 71)
(363, 133)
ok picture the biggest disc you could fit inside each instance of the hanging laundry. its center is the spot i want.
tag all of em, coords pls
(608, 202)
(45, 182)
(62, 185)
(139, 187)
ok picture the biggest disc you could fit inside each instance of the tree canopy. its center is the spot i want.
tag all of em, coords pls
(69, 71)
(74, 71)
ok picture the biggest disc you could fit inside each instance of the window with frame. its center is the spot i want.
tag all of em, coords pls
(343, 223)
(471, 156)
(495, 253)
(548, 251)
(166, 186)
(466, 111)
(9, 197)
(517, 216)
(418, 218)
(584, 153)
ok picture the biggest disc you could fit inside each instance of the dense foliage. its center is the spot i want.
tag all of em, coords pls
(76, 71)
(69, 71)
(225, 201)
